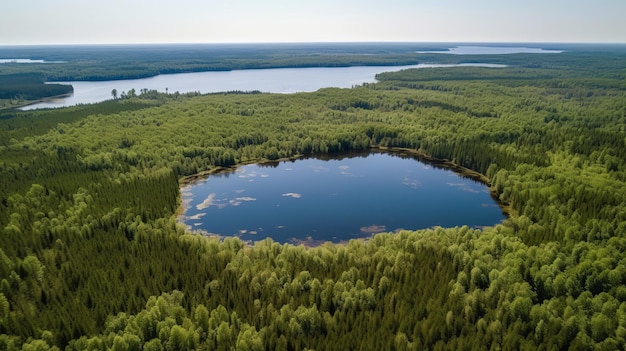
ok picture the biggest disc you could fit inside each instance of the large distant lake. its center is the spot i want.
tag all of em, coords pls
(314, 200)
(279, 80)
(491, 50)
(16, 60)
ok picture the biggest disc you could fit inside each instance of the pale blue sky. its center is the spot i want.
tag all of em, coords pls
(210, 21)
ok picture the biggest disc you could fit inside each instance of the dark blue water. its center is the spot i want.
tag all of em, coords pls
(314, 201)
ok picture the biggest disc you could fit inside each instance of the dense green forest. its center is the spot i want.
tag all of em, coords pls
(21, 83)
(92, 257)
(110, 62)
(16, 88)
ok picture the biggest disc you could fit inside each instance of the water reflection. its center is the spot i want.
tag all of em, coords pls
(335, 199)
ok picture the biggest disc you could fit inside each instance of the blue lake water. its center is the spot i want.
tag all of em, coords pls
(313, 200)
(275, 80)
(491, 50)
(19, 60)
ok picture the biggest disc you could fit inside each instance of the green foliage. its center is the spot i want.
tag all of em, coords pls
(91, 255)
(29, 86)
(113, 62)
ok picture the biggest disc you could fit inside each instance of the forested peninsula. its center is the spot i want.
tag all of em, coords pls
(92, 256)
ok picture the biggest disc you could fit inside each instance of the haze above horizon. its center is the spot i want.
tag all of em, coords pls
(43, 22)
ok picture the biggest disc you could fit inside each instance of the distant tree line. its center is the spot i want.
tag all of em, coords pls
(92, 257)
(30, 87)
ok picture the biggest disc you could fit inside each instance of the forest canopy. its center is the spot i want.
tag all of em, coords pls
(92, 257)
(29, 87)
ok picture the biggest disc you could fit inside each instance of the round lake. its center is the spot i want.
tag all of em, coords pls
(313, 200)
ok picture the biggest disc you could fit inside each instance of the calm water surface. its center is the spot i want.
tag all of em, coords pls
(492, 50)
(280, 80)
(15, 60)
(314, 200)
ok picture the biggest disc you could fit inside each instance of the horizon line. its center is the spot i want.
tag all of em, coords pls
(317, 42)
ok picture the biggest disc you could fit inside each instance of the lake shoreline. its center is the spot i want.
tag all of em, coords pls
(280, 80)
(32, 102)
(506, 209)
(191, 179)
(252, 67)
